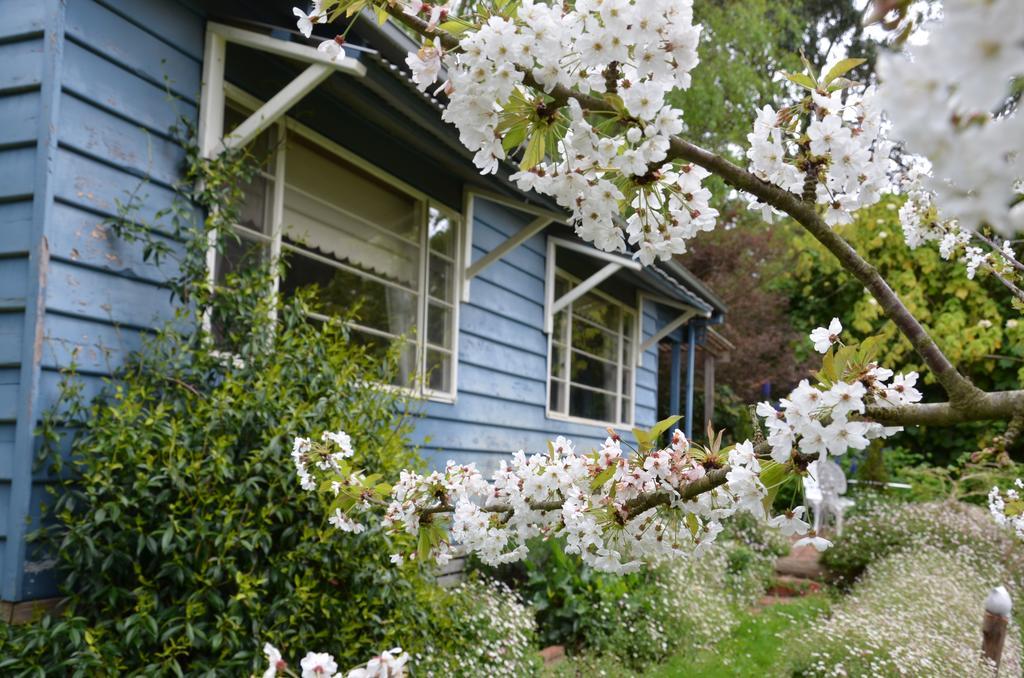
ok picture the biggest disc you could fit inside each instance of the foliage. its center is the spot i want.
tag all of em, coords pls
(638, 619)
(969, 319)
(479, 628)
(740, 265)
(181, 533)
(916, 612)
(885, 528)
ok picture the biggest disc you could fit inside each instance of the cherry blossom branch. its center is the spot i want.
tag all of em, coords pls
(966, 402)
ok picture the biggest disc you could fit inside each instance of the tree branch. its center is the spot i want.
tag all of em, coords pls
(960, 390)
(997, 405)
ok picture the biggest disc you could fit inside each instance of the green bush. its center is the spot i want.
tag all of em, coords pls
(183, 537)
(886, 527)
(639, 619)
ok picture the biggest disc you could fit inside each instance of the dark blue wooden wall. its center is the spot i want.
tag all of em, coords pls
(92, 88)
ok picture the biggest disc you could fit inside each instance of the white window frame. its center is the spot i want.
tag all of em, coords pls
(622, 361)
(285, 125)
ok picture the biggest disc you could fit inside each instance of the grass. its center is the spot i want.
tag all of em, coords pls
(757, 647)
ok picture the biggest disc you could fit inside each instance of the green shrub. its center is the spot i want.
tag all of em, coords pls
(883, 528)
(916, 612)
(639, 619)
(182, 535)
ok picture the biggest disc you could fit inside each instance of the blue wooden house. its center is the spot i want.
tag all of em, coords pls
(520, 331)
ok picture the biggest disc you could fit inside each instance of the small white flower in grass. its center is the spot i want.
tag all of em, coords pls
(305, 21)
(318, 665)
(275, 661)
(824, 337)
(812, 539)
(790, 522)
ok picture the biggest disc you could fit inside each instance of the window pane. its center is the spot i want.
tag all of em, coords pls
(439, 281)
(379, 346)
(254, 213)
(557, 396)
(558, 323)
(591, 404)
(238, 254)
(597, 310)
(441, 231)
(627, 379)
(561, 286)
(439, 370)
(439, 325)
(627, 411)
(558, 360)
(384, 307)
(338, 210)
(262, 147)
(593, 340)
(593, 372)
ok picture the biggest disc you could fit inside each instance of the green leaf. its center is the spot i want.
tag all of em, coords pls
(453, 27)
(643, 439)
(802, 79)
(513, 137)
(691, 522)
(840, 68)
(773, 475)
(665, 424)
(841, 83)
(534, 149)
(423, 544)
(602, 477)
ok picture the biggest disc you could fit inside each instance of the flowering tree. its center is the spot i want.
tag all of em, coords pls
(574, 95)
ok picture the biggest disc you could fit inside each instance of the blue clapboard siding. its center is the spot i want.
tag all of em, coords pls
(85, 125)
(22, 64)
(15, 224)
(502, 378)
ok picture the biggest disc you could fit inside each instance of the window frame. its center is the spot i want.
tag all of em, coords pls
(245, 102)
(622, 362)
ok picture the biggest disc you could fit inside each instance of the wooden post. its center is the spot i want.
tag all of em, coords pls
(709, 387)
(993, 626)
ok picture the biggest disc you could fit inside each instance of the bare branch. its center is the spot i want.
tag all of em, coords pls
(997, 405)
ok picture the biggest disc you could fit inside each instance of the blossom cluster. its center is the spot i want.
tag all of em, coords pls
(598, 502)
(597, 164)
(388, 664)
(618, 508)
(825, 419)
(1007, 507)
(948, 101)
(831, 145)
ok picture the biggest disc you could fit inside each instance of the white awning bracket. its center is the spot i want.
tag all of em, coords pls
(662, 333)
(585, 286)
(211, 135)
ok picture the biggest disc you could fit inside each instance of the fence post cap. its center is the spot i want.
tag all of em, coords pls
(998, 602)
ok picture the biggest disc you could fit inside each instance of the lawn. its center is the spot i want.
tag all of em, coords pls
(755, 648)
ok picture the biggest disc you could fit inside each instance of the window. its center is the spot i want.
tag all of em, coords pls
(591, 372)
(359, 240)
